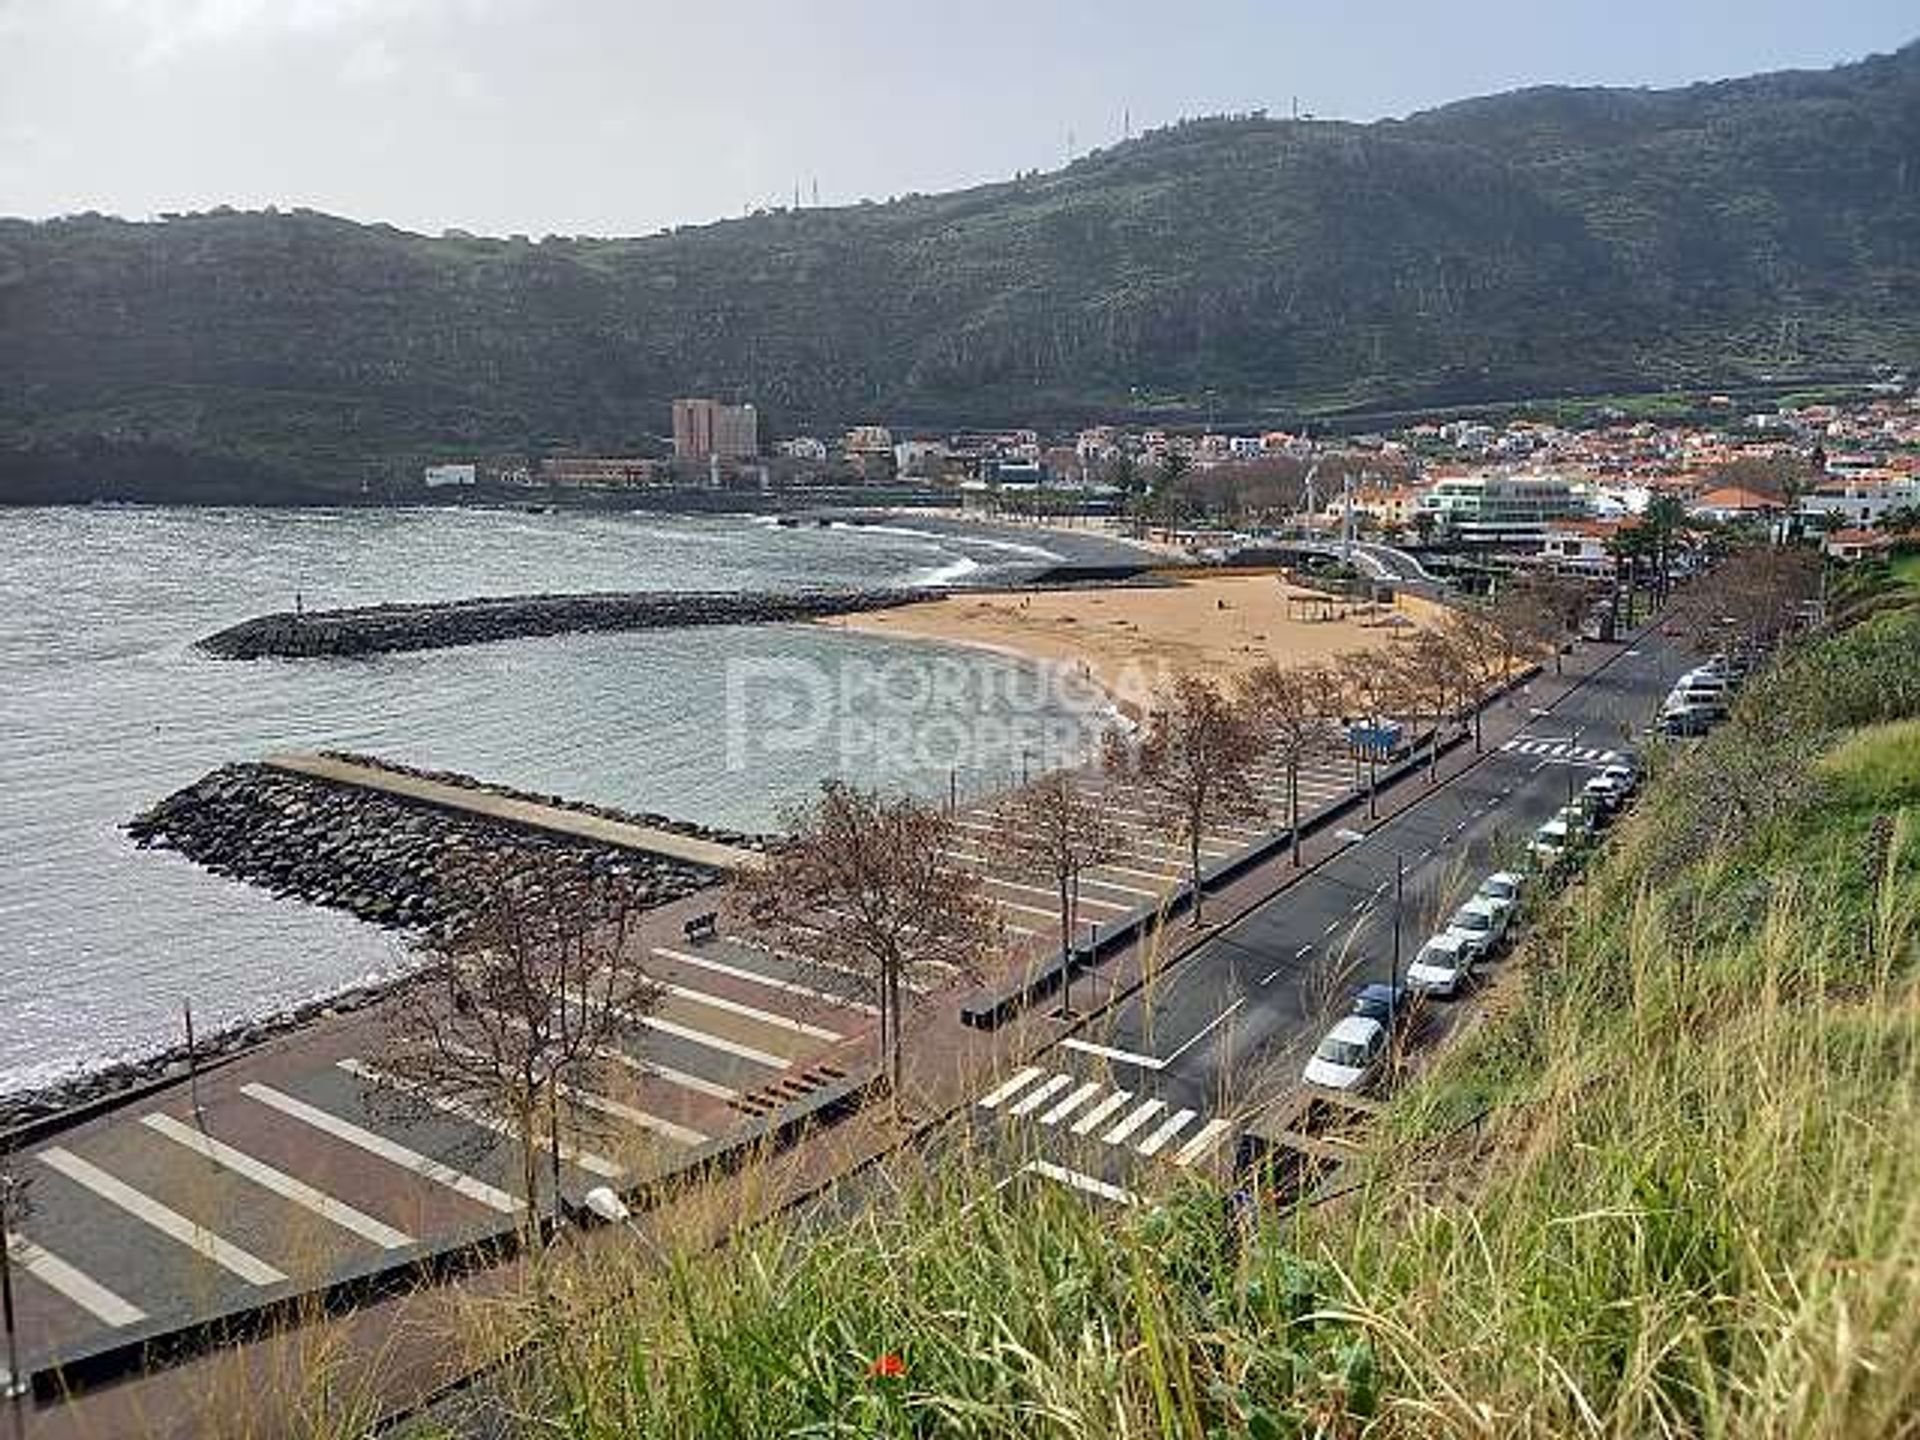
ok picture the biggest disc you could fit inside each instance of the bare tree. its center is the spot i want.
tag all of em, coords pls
(1295, 710)
(1489, 653)
(864, 890)
(1061, 828)
(1370, 688)
(1194, 759)
(1430, 679)
(519, 1015)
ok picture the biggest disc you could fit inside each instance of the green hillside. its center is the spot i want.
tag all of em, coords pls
(1542, 242)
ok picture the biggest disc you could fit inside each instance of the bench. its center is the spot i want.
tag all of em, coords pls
(702, 927)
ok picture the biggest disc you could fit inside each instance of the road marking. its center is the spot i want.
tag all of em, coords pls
(1171, 1127)
(712, 1042)
(1269, 977)
(679, 1134)
(1090, 1121)
(1332, 925)
(279, 1182)
(1039, 1095)
(990, 879)
(750, 1012)
(82, 1289)
(642, 1066)
(1078, 1181)
(1212, 1025)
(168, 1222)
(1107, 1052)
(1008, 1089)
(391, 1151)
(1304, 950)
(1072, 1103)
(754, 977)
(1203, 1140)
(1147, 1110)
(584, 1159)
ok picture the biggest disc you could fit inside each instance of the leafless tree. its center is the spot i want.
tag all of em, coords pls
(522, 1012)
(1545, 610)
(1295, 711)
(864, 890)
(1490, 649)
(1754, 598)
(1060, 827)
(1193, 760)
(1370, 690)
(1430, 680)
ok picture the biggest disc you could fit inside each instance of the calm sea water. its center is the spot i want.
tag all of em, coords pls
(104, 707)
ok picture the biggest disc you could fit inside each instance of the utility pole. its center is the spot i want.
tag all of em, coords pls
(17, 1388)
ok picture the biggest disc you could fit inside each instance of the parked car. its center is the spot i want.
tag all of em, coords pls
(1482, 923)
(1443, 966)
(1608, 793)
(1350, 1056)
(1394, 1006)
(1688, 720)
(1553, 842)
(1625, 773)
(1502, 888)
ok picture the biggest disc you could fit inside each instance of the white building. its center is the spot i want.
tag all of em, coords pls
(438, 476)
(1864, 501)
(1502, 509)
(803, 447)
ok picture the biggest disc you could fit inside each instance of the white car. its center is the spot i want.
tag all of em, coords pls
(1482, 922)
(1349, 1057)
(1502, 889)
(1552, 843)
(1444, 964)
(1606, 792)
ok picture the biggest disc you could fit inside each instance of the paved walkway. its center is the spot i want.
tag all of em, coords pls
(529, 814)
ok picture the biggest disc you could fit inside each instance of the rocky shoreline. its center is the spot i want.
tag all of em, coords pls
(385, 629)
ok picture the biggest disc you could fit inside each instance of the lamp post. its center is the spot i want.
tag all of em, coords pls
(17, 1387)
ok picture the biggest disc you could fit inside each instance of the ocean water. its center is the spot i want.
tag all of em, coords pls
(105, 707)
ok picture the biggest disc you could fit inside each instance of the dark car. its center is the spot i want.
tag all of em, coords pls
(1392, 1005)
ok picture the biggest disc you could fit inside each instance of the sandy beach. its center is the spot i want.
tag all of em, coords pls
(1130, 638)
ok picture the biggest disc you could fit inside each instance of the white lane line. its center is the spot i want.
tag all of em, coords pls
(712, 1042)
(1211, 1026)
(584, 1159)
(1010, 1087)
(1269, 977)
(1171, 1127)
(1039, 1095)
(754, 977)
(380, 1146)
(1146, 1111)
(749, 1012)
(168, 1222)
(1072, 1103)
(1203, 1140)
(1086, 1183)
(1107, 1052)
(1304, 950)
(286, 1186)
(1332, 925)
(1090, 1121)
(82, 1289)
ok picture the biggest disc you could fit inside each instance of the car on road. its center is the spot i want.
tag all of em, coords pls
(1606, 792)
(1443, 966)
(1482, 922)
(1625, 772)
(1350, 1056)
(1394, 1006)
(1690, 720)
(1503, 888)
(1554, 842)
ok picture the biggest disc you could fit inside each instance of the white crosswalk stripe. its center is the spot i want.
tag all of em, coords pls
(79, 1287)
(1171, 1127)
(1146, 1111)
(1011, 1087)
(168, 1221)
(1040, 1094)
(1203, 1140)
(1095, 1117)
(1150, 1128)
(1072, 1103)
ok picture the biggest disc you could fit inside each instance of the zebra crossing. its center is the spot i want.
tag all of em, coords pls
(1563, 750)
(1099, 1127)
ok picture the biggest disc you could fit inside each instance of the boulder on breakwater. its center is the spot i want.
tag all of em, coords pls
(382, 629)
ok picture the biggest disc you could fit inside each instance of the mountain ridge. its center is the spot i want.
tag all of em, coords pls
(1542, 241)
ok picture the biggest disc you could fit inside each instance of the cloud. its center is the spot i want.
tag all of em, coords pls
(371, 62)
(167, 30)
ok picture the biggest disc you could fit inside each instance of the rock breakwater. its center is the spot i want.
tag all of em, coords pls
(384, 629)
(408, 867)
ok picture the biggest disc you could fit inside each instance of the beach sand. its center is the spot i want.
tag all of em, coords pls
(1131, 638)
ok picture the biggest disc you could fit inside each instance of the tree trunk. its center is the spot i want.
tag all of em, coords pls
(1293, 807)
(553, 1127)
(530, 1165)
(1193, 869)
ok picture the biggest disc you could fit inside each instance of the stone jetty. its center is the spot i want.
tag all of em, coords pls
(383, 629)
(423, 869)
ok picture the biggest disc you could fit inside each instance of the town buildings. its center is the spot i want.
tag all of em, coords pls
(707, 429)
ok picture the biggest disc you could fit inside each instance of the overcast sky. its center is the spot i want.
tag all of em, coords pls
(621, 116)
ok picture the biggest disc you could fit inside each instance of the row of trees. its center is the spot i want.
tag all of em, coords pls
(881, 897)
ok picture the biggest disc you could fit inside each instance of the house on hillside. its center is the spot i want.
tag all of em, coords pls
(1732, 504)
(1851, 545)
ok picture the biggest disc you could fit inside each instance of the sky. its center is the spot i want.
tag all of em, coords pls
(620, 117)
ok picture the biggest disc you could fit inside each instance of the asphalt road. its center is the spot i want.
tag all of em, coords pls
(1167, 1080)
